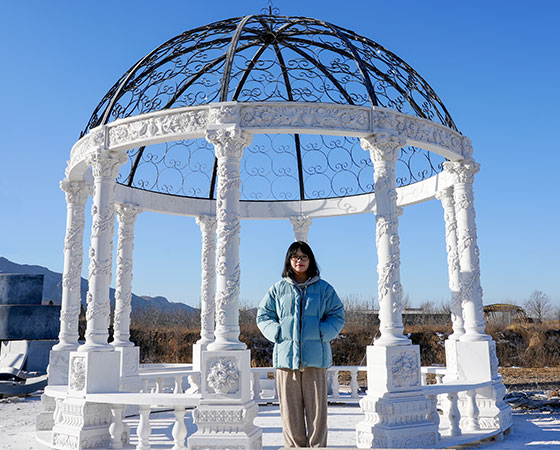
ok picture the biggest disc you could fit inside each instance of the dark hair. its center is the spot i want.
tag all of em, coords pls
(312, 270)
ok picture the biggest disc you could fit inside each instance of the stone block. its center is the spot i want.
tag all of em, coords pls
(129, 360)
(393, 369)
(30, 322)
(477, 361)
(21, 289)
(226, 376)
(93, 372)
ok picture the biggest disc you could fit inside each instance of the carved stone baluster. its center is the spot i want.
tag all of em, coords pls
(117, 427)
(144, 429)
(178, 386)
(453, 414)
(301, 226)
(433, 415)
(179, 431)
(144, 385)
(354, 383)
(256, 385)
(472, 412)
(335, 385)
(194, 384)
(105, 166)
(159, 385)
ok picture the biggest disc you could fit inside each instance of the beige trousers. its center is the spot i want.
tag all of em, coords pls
(303, 401)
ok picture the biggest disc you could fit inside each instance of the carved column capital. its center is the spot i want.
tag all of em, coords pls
(462, 171)
(127, 212)
(383, 146)
(206, 222)
(76, 191)
(446, 197)
(106, 164)
(229, 142)
(301, 226)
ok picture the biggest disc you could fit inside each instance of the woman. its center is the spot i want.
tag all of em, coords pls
(301, 314)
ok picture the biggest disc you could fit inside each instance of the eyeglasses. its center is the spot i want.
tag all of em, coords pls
(302, 258)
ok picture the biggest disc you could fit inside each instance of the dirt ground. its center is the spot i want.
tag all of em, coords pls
(526, 378)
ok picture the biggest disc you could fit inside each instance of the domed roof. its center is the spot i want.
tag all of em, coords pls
(269, 58)
(273, 58)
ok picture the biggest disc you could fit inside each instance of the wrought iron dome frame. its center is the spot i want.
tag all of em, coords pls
(260, 58)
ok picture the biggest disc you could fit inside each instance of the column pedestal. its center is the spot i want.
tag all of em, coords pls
(451, 360)
(129, 364)
(58, 367)
(226, 411)
(478, 361)
(395, 408)
(78, 424)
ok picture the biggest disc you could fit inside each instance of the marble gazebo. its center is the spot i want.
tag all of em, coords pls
(262, 117)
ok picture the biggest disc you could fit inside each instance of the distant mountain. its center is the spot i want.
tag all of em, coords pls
(52, 290)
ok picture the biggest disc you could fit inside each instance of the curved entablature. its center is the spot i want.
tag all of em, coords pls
(358, 204)
(258, 119)
(263, 118)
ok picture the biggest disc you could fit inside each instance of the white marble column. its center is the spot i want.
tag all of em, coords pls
(395, 409)
(448, 204)
(77, 193)
(208, 286)
(126, 215)
(105, 166)
(470, 289)
(226, 413)
(301, 226)
(228, 144)
(384, 150)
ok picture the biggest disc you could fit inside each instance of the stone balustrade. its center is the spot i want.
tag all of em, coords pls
(454, 408)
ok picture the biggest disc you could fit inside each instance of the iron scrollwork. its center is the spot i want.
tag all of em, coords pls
(269, 58)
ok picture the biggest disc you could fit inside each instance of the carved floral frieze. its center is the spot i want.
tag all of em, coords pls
(170, 124)
(77, 380)
(405, 370)
(305, 116)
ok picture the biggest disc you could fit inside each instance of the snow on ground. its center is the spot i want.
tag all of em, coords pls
(531, 430)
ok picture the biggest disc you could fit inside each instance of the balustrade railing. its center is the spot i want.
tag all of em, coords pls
(177, 389)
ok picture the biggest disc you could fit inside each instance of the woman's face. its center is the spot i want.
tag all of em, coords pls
(299, 262)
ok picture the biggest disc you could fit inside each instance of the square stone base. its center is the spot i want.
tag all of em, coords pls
(225, 377)
(226, 427)
(393, 369)
(93, 372)
(396, 421)
(81, 425)
(129, 361)
(58, 367)
(477, 361)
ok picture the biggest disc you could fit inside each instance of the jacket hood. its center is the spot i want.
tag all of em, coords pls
(305, 283)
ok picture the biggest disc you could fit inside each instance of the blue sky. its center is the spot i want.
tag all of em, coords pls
(494, 64)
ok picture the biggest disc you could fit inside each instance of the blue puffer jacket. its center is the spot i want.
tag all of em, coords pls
(301, 320)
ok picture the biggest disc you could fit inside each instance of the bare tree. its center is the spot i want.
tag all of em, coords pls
(538, 306)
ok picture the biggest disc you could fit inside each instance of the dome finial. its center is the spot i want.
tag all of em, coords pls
(271, 10)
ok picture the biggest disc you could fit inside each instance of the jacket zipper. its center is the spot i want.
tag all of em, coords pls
(301, 328)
